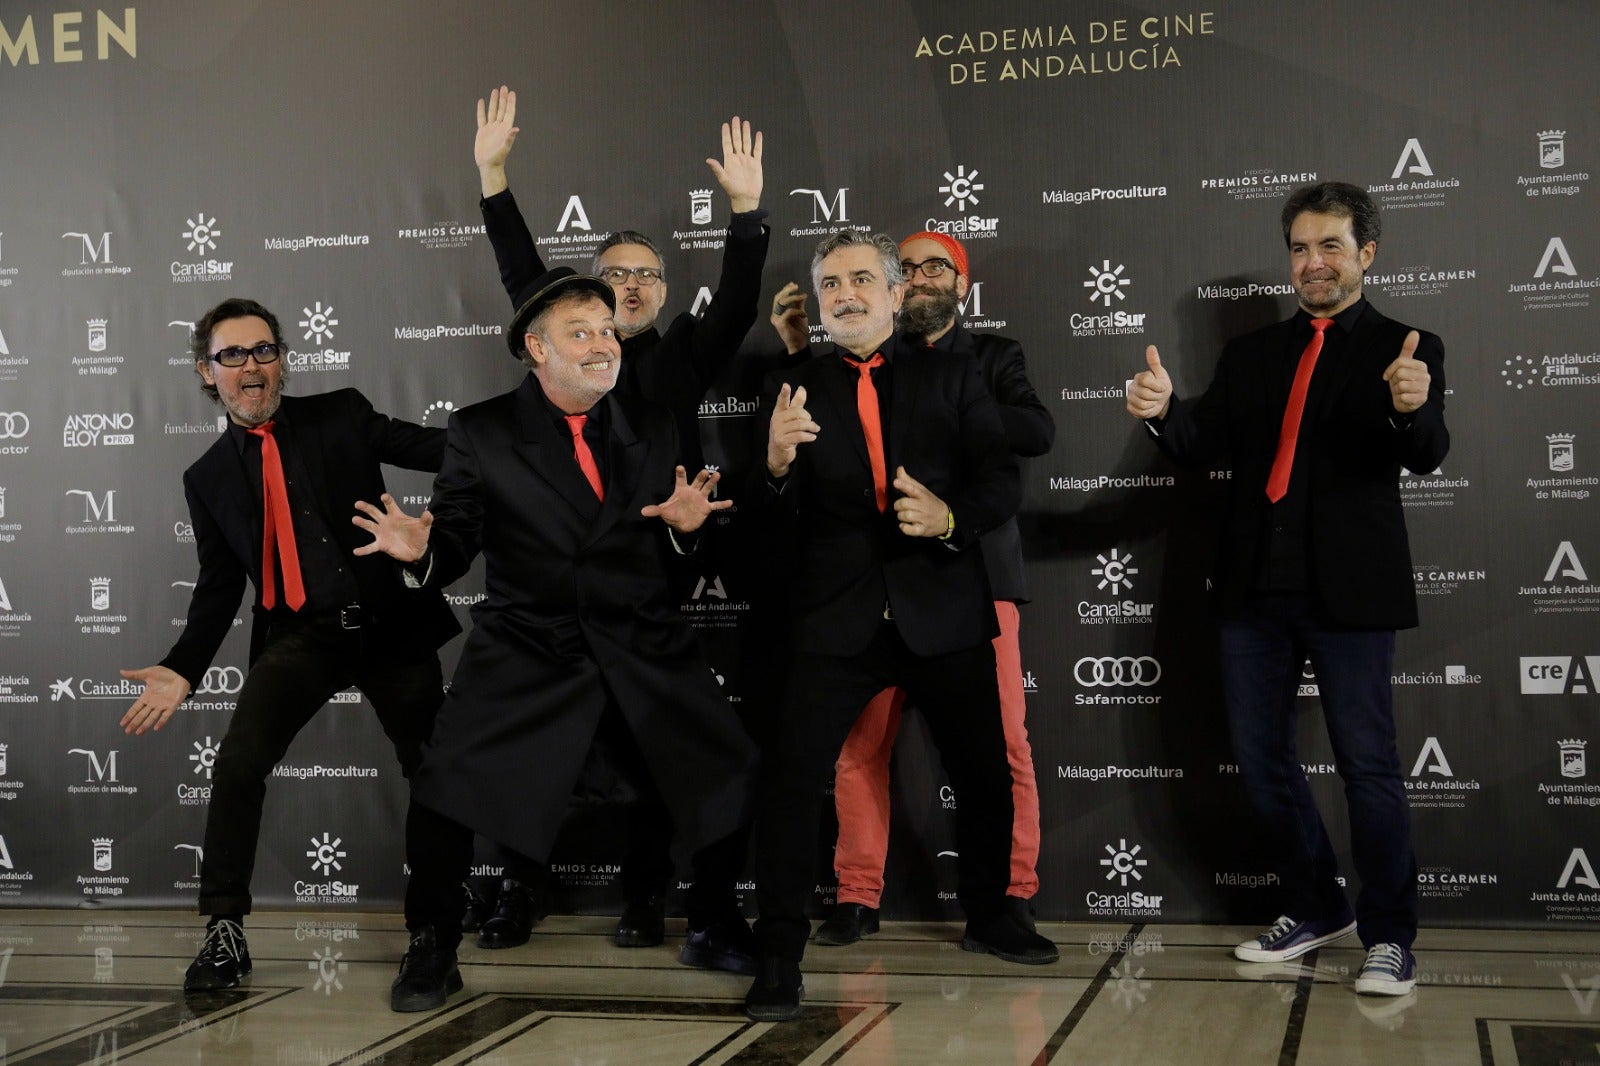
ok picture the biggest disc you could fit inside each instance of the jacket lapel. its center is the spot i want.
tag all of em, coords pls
(549, 455)
(223, 474)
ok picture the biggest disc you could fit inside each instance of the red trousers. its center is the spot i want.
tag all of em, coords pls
(861, 781)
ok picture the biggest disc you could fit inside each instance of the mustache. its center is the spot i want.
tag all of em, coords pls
(846, 308)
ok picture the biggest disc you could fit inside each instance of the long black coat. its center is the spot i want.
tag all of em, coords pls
(576, 614)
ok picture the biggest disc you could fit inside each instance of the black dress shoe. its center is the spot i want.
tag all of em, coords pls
(643, 924)
(1003, 936)
(776, 993)
(477, 910)
(1021, 911)
(723, 945)
(512, 921)
(223, 959)
(847, 923)
(428, 974)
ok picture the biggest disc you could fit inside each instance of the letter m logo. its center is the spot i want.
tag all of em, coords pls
(97, 770)
(92, 252)
(823, 209)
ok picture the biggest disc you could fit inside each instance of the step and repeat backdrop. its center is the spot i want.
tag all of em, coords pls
(1116, 170)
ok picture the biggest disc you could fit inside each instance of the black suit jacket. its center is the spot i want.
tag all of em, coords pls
(1349, 449)
(342, 443)
(674, 368)
(850, 560)
(576, 616)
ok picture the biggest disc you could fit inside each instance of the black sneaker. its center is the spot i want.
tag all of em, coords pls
(512, 921)
(776, 992)
(643, 924)
(1002, 936)
(847, 923)
(224, 958)
(722, 945)
(428, 974)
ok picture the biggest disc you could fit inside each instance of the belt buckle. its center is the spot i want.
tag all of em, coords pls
(888, 612)
(350, 617)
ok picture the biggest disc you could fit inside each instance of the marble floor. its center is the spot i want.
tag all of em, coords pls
(103, 987)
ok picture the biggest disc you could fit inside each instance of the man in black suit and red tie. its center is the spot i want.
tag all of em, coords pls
(272, 501)
(883, 472)
(1316, 415)
(576, 500)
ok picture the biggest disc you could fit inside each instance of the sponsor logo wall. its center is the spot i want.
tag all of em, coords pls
(362, 234)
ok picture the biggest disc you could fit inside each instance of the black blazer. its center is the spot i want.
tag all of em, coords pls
(1029, 428)
(342, 442)
(1359, 557)
(850, 560)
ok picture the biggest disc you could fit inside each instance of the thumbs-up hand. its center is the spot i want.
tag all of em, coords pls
(1151, 390)
(1408, 377)
(920, 512)
(791, 426)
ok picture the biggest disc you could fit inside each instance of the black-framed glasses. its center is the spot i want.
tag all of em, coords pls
(647, 276)
(264, 353)
(931, 268)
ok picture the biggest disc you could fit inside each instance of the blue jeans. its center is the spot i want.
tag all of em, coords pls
(1263, 647)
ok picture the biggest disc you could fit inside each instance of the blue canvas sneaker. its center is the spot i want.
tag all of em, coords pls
(1289, 939)
(1390, 970)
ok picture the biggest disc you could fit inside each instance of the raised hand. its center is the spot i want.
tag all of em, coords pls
(497, 131)
(1151, 389)
(739, 173)
(164, 689)
(690, 504)
(791, 426)
(394, 532)
(920, 512)
(1408, 377)
(789, 318)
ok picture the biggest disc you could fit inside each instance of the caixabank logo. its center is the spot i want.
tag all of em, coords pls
(327, 855)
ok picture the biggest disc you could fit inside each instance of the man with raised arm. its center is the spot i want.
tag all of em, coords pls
(557, 484)
(674, 368)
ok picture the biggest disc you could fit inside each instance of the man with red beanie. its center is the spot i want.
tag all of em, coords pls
(937, 279)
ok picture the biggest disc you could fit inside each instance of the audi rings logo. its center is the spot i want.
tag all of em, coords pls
(221, 681)
(13, 425)
(1112, 672)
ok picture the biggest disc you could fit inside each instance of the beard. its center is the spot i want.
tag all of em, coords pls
(926, 310)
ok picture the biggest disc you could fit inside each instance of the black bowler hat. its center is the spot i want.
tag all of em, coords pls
(543, 291)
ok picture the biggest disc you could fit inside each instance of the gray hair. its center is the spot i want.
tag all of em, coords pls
(888, 253)
(628, 236)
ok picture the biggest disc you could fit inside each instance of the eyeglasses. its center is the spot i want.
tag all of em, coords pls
(263, 354)
(647, 276)
(931, 268)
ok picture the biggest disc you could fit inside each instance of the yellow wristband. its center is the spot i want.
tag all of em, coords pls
(949, 525)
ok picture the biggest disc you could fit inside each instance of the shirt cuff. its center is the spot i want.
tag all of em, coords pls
(416, 574)
(747, 223)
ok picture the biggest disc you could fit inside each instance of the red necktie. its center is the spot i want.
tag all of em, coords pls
(1283, 462)
(580, 448)
(277, 541)
(871, 426)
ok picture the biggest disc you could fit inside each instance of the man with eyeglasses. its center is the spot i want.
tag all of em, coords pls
(937, 280)
(674, 368)
(272, 501)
